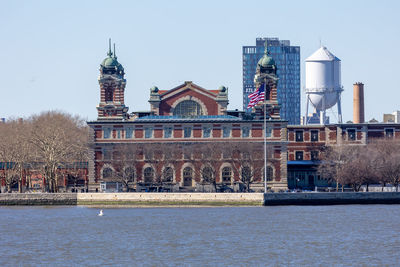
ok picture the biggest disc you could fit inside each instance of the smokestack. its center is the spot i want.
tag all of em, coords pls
(358, 103)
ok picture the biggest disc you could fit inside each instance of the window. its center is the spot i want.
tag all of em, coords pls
(314, 155)
(107, 173)
(187, 132)
(167, 132)
(107, 154)
(314, 135)
(108, 94)
(226, 131)
(148, 175)
(389, 133)
(245, 131)
(188, 108)
(168, 175)
(107, 133)
(187, 176)
(351, 134)
(268, 132)
(270, 173)
(129, 133)
(148, 132)
(226, 174)
(299, 155)
(206, 131)
(299, 136)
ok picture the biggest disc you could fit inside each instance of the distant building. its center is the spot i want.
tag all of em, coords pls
(394, 117)
(287, 60)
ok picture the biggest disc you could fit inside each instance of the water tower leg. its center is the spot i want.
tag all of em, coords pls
(339, 107)
(306, 117)
(322, 113)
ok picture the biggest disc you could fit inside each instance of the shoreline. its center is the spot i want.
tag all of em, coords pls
(197, 199)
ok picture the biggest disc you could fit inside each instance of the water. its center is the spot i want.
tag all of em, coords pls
(352, 235)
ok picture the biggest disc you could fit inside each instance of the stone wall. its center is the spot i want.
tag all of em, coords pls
(38, 199)
(173, 198)
(332, 198)
(269, 199)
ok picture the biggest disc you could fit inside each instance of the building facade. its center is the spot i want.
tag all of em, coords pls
(187, 135)
(287, 60)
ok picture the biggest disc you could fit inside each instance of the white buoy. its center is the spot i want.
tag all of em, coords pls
(101, 213)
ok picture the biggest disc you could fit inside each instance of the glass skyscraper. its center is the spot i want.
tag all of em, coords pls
(287, 60)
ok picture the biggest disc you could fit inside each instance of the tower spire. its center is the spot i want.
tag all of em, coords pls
(266, 52)
(109, 48)
(115, 55)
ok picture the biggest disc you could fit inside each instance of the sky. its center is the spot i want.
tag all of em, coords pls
(51, 50)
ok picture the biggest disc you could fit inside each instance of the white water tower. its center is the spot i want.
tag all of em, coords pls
(323, 83)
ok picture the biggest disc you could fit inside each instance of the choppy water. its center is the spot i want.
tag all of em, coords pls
(350, 235)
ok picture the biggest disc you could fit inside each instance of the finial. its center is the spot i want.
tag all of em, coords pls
(266, 48)
(109, 48)
(115, 55)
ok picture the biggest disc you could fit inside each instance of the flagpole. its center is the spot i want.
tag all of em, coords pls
(265, 136)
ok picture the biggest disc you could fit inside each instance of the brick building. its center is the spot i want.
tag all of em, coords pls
(189, 115)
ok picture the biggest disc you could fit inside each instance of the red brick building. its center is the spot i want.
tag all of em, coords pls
(189, 114)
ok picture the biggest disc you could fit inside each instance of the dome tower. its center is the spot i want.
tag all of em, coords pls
(266, 80)
(112, 88)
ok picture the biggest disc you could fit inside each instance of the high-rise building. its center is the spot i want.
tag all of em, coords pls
(287, 59)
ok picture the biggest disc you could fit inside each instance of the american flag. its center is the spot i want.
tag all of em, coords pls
(256, 97)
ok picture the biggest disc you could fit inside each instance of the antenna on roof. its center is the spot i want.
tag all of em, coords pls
(109, 48)
(115, 55)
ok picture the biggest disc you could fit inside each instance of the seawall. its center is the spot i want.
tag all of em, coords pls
(332, 198)
(200, 199)
(38, 199)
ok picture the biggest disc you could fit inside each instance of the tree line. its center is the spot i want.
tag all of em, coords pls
(377, 162)
(160, 161)
(44, 143)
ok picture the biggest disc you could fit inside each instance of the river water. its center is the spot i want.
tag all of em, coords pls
(351, 235)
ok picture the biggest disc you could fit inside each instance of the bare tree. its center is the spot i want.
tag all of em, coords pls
(388, 161)
(334, 161)
(126, 157)
(162, 159)
(14, 152)
(247, 160)
(57, 138)
(207, 159)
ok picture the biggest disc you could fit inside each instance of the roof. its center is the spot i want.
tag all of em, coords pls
(196, 118)
(302, 162)
(322, 54)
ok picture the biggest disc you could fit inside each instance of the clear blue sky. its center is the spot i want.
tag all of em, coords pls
(51, 50)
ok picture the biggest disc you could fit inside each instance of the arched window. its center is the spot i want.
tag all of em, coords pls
(207, 174)
(107, 173)
(187, 176)
(246, 174)
(108, 94)
(148, 175)
(270, 173)
(168, 175)
(188, 108)
(129, 174)
(226, 174)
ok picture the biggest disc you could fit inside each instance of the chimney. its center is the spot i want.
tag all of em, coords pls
(358, 103)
